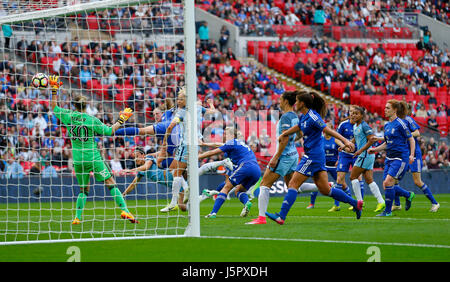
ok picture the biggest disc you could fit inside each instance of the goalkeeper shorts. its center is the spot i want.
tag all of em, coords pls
(83, 170)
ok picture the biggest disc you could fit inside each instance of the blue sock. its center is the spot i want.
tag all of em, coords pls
(397, 200)
(256, 193)
(289, 200)
(428, 194)
(389, 195)
(220, 186)
(313, 197)
(401, 192)
(347, 191)
(337, 186)
(243, 197)
(127, 131)
(340, 195)
(361, 183)
(219, 202)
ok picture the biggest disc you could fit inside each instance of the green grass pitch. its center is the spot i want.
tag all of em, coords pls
(313, 235)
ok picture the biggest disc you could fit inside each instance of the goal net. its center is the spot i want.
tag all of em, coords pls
(66, 163)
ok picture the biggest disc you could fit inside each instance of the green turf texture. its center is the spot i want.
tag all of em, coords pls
(314, 235)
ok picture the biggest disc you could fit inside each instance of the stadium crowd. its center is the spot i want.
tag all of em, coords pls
(145, 76)
(258, 16)
(31, 140)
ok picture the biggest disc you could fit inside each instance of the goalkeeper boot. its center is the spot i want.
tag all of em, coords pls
(211, 215)
(246, 209)
(396, 208)
(76, 221)
(275, 217)
(380, 207)
(169, 208)
(409, 201)
(129, 216)
(259, 220)
(335, 208)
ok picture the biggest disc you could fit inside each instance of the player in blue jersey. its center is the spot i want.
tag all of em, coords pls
(345, 161)
(147, 167)
(362, 134)
(245, 174)
(312, 164)
(179, 163)
(285, 160)
(163, 121)
(331, 158)
(400, 146)
(416, 166)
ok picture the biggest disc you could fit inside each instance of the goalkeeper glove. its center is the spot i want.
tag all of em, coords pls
(125, 115)
(54, 82)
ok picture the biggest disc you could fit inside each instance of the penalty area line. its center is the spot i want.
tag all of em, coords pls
(332, 241)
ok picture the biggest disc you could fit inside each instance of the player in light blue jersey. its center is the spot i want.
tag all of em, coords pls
(312, 164)
(179, 163)
(147, 168)
(399, 145)
(362, 134)
(416, 166)
(284, 161)
(246, 171)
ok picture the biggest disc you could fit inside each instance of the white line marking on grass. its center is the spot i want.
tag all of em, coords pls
(333, 241)
(352, 217)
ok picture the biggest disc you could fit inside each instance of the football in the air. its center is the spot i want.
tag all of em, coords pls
(40, 80)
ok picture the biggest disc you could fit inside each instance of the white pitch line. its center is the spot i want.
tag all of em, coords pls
(333, 241)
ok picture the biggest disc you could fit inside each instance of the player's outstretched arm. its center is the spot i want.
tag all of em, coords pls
(336, 135)
(288, 132)
(210, 153)
(123, 117)
(55, 84)
(132, 185)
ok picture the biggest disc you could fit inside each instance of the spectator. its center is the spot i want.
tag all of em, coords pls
(7, 33)
(13, 169)
(116, 165)
(224, 37)
(432, 123)
(49, 171)
(203, 33)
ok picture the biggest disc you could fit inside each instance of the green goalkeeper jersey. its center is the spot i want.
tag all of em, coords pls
(81, 131)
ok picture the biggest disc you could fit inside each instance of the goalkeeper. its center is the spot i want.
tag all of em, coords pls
(81, 129)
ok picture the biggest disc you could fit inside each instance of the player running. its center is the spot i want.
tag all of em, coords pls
(245, 174)
(400, 146)
(416, 166)
(312, 163)
(86, 157)
(362, 134)
(331, 158)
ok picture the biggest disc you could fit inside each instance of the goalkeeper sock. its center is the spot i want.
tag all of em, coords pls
(128, 131)
(81, 202)
(118, 198)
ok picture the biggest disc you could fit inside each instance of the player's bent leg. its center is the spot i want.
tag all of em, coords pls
(264, 194)
(221, 197)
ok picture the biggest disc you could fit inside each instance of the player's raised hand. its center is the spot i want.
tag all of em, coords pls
(125, 115)
(54, 82)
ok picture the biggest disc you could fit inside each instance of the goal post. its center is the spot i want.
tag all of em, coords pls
(116, 54)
